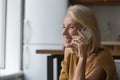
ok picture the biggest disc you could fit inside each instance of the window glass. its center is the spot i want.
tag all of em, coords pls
(2, 32)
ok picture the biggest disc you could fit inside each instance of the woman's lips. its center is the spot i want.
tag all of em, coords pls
(67, 40)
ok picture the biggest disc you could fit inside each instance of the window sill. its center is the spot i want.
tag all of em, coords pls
(5, 75)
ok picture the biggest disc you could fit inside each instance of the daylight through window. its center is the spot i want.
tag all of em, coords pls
(2, 32)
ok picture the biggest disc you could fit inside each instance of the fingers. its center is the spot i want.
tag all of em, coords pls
(76, 43)
(79, 43)
(79, 39)
(79, 47)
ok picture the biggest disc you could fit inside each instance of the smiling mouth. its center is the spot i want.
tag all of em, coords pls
(67, 40)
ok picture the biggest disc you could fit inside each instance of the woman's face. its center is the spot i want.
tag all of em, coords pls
(70, 28)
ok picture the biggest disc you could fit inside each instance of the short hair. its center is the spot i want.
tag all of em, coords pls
(87, 18)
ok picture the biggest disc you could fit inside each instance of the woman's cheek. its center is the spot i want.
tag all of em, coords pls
(71, 32)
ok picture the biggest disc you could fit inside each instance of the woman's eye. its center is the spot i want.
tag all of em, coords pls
(72, 27)
(63, 27)
(69, 27)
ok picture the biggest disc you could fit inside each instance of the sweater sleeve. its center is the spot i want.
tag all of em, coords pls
(65, 69)
(65, 64)
(63, 73)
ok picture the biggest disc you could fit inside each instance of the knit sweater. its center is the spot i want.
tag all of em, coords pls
(103, 59)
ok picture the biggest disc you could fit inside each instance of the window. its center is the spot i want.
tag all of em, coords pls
(12, 62)
(2, 32)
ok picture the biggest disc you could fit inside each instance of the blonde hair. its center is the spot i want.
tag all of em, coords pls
(86, 17)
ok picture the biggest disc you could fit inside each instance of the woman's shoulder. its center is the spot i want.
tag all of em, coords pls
(106, 61)
(105, 53)
(104, 57)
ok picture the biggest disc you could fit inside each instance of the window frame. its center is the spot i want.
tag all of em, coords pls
(3, 33)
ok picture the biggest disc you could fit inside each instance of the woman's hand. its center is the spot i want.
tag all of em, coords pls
(80, 44)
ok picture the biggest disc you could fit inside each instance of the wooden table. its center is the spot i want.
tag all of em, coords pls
(47, 51)
(61, 52)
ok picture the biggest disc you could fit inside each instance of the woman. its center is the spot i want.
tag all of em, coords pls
(84, 58)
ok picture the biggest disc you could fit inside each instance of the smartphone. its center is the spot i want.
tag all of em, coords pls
(86, 33)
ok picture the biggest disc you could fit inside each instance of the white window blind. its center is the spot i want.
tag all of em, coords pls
(2, 32)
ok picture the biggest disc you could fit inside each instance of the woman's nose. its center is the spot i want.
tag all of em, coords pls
(65, 31)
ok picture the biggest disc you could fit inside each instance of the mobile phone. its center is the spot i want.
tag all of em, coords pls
(86, 33)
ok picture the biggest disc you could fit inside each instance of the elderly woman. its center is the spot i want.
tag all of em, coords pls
(84, 57)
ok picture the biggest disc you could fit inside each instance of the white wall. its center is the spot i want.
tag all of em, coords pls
(105, 14)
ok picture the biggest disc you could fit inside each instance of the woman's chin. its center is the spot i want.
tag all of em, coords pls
(67, 45)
